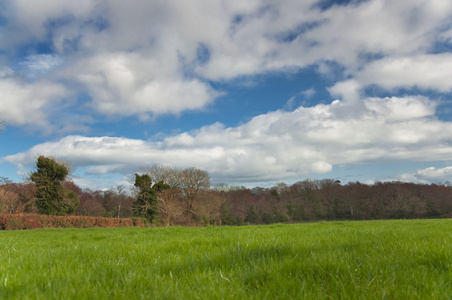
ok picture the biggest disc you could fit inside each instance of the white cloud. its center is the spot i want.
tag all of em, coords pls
(160, 57)
(428, 175)
(308, 93)
(432, 71)
(144, 58)
(134, 84)
(348, 90)
(28, 104)
(29, 20)
(274, 146)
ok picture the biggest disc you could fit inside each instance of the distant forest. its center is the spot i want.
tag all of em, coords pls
(304, 201)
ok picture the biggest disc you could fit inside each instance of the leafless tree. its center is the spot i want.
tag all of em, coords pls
(170, 205)
(9, 202)
(209, 206)
(193, 180)
(165, 173)
(185, 187)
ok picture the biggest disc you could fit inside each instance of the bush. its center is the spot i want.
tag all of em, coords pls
(34, 221)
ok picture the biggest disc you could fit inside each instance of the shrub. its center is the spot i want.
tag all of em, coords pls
(34, 221)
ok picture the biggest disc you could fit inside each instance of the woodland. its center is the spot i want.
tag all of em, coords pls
(166, 195)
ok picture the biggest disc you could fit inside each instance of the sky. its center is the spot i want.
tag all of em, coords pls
(254, 92)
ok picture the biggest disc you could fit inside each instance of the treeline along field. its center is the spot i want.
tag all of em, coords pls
(304, 201)
(403, 259)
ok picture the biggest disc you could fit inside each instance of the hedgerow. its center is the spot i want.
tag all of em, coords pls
(35, 221)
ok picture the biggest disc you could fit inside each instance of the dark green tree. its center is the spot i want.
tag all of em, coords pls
(279, 216)
(252, 216)
(52, 198)
(146, 205)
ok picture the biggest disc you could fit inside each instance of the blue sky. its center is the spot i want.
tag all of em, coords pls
(254, 92)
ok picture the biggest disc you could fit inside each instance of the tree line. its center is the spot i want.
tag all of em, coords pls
(171, 196)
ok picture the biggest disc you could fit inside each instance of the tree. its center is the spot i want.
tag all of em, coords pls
(9, 201)
(252, 216)
(192, 181)
(146, 205)
(170, 208)
(52, 198)
(185, 186)
(165, 173)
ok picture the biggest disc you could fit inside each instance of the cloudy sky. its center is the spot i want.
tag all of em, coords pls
(254, 92)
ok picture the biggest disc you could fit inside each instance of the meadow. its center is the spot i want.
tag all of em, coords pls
(397, 259)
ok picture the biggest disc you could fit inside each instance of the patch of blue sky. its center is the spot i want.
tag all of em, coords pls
(268, 92)
(441, 46)
(237, 19)
(100, 23)
(32, 47)
(327, 4)
(3, 14)
(59, 22)
(444, 110)
(292, 34)
(10, 172)
(203, 54)
(18, 140)
(3, 19)
(101, 181)
(367, 57)
(240, 19)
(128, 127)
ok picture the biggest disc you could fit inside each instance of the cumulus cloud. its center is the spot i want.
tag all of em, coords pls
(429, 71)
(133, 84)
(428, 175)
(166, 57)
(28, 104)
(159, 57)
(273, 146)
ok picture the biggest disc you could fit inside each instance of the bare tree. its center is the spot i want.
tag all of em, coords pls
(9, 202)
(170, 200)
(193, 180)
(209, 206)
(170, 205)
(184, 192)
(165, 173)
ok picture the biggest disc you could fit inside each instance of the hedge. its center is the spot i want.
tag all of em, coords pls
(34, 221)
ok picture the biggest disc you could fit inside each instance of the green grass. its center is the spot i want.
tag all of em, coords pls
(331, 260)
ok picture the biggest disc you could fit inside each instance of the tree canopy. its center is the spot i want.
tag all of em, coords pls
(146, 205)
(52, 198)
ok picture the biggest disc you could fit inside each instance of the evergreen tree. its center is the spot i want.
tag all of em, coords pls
(146, 205)
(252, 216)
(52, 198)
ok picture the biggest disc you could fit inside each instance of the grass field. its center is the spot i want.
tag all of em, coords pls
(409, 259)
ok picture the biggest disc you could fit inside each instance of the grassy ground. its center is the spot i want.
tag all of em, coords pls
(331, 260)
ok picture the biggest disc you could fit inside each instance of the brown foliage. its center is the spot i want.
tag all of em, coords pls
(9, 202)
(208, 208)
(34, 221)
(170, 206)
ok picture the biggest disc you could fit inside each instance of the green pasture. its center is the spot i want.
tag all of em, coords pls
(406, 259)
